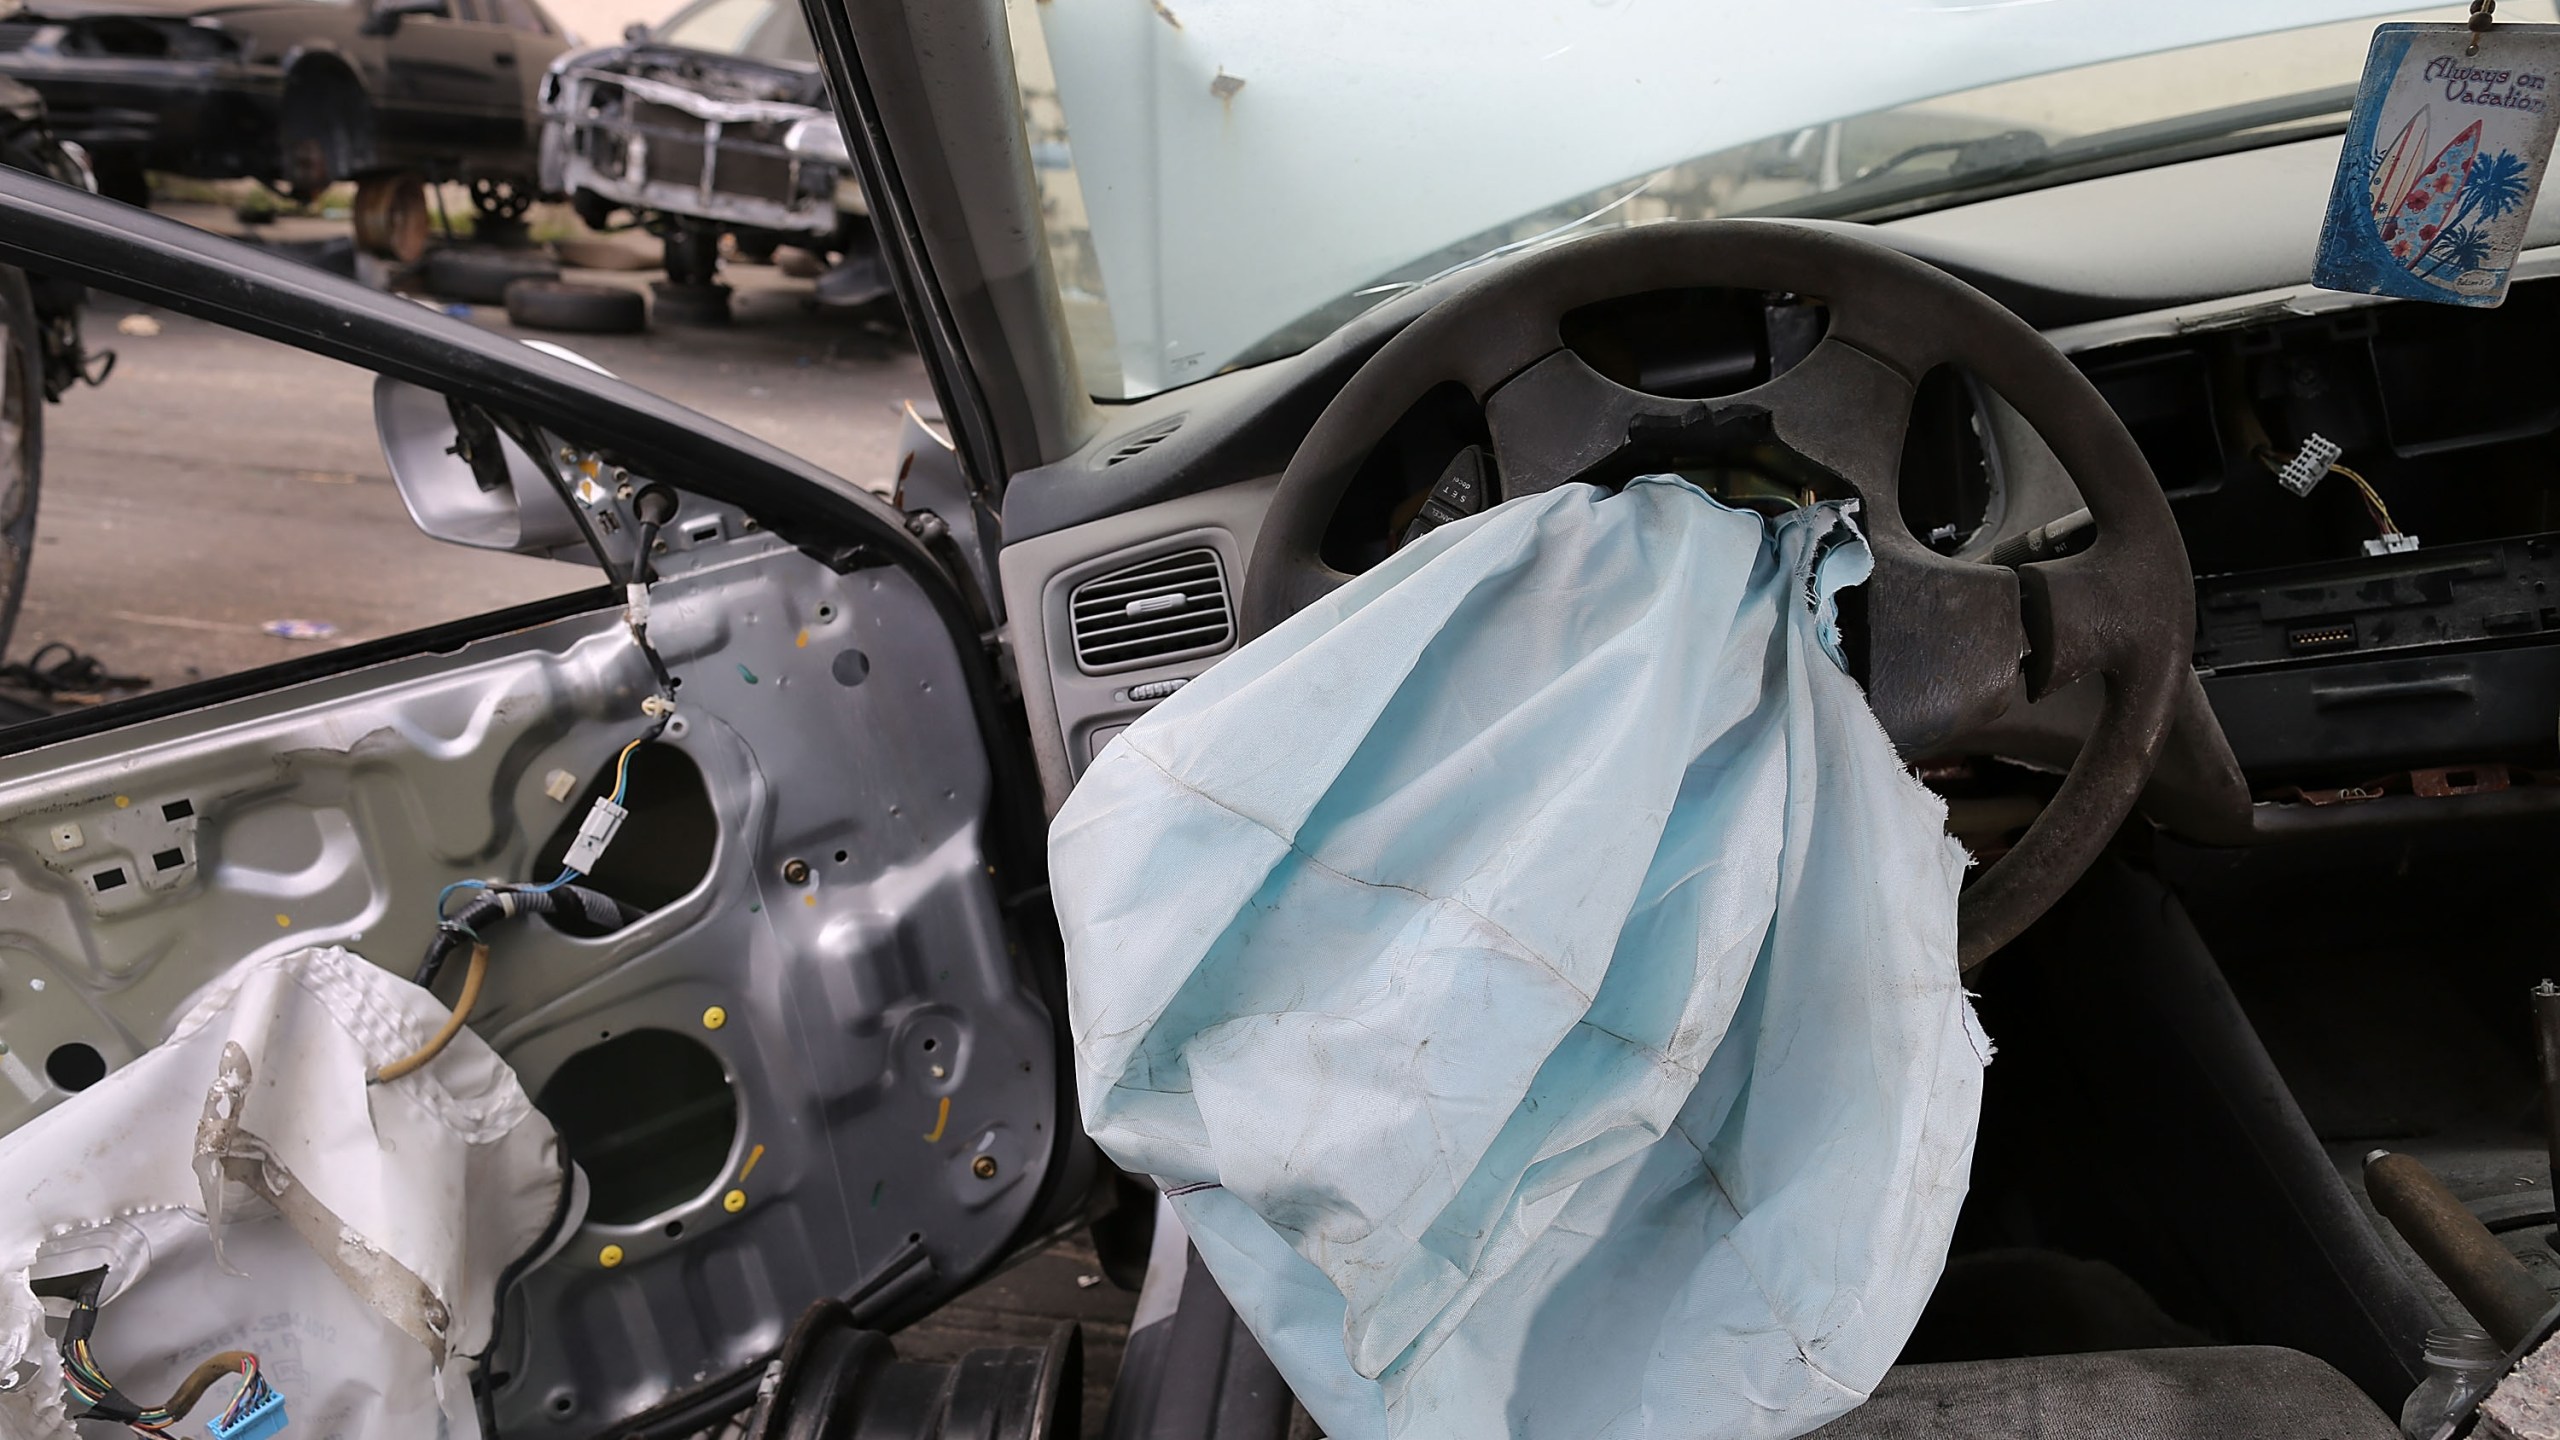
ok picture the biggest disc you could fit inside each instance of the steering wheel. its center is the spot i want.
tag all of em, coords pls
(1950, 644)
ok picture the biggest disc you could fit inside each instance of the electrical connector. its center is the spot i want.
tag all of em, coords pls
(2393, 543)
(259, 1421)
(594, 833)
(2309, 465)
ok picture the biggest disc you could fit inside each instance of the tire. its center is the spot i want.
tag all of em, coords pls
(576, 307)
(21, 441)
(690, 304)
(481, 277)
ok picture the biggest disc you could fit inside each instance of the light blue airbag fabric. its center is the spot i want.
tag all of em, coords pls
(1533, 975)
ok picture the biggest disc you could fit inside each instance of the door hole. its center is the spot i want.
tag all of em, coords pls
(75, 1067)
(649, 1115)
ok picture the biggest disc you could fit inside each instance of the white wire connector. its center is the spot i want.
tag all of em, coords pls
(2309, 465)
(635, 606)
(594, 833)
(2394, 543)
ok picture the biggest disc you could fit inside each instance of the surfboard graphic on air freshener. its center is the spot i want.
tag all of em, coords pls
(2398, 168)
(2444, 153)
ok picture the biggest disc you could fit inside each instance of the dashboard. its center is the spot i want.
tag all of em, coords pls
(2377, 633)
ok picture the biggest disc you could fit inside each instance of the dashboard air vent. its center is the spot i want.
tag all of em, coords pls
(1137, 443)
(1171, 607)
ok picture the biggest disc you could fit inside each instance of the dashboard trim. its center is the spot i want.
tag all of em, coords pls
(2255, 307)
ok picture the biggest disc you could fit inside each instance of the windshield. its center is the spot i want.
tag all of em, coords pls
(753, 29)
(1244, 177)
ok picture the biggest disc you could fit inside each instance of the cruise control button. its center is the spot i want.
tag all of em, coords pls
(1461, 487)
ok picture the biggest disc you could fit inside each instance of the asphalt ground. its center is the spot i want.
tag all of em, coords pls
(219, 484)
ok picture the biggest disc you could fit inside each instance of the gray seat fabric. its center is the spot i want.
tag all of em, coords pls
(2237, 1392)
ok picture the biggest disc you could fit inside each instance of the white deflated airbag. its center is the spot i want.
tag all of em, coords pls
(1533, 975)
(246, 1189)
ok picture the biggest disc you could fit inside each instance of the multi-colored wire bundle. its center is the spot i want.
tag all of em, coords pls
(2374, 506)
(253, 1392)
(90, 1384)
(81, 1373)
(621, 786)
(500, 899)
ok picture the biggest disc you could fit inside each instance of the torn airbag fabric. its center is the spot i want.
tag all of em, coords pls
(1533, 975)
(245, 1188)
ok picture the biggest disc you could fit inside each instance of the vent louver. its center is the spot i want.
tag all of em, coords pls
(1171, 607)
(1130, 447)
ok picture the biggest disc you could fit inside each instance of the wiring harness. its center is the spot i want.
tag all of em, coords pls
(254, 1412)
(496, 900)
(2316, 461)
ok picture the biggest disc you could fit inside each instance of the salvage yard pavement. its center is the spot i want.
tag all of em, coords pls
(217, 484)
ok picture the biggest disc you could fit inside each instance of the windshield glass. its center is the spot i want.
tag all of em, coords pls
(1244, 177)
(753, 29)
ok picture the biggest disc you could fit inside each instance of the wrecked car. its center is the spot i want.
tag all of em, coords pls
(712, 904)
(46, 356)
(715, 123)
(300, 95)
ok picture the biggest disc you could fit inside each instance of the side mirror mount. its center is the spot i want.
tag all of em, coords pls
(466, 484)
(385, 15)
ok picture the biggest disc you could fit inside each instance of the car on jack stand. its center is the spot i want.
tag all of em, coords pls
(715, 124)
(390, 94)
(2254, 892)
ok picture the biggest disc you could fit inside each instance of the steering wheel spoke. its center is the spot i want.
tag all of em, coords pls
(1560, 420)
(1839, 410)
(1845, 411)
(1943, 642)
(2076, 613)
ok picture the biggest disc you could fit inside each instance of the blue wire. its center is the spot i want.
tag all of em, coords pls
(446, 894)
(621, 782)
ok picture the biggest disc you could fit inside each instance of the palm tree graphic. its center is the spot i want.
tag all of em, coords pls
(2495, 186)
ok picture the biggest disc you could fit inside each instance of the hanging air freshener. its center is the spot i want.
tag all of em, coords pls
(2445, 150)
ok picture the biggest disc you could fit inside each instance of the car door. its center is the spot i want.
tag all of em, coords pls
(817, 1058)
(538, 42)
(455, 78)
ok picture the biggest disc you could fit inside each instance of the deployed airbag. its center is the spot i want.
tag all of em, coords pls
(246, 1189)
(1532, 974)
